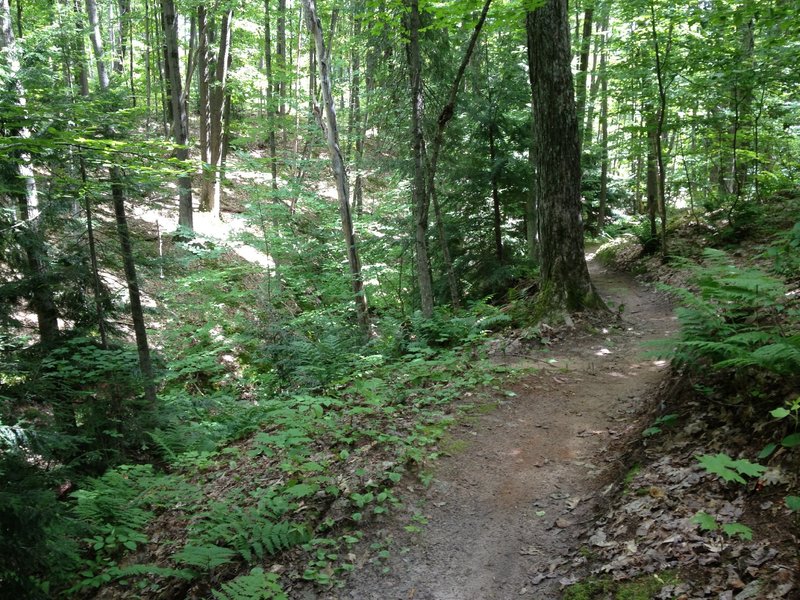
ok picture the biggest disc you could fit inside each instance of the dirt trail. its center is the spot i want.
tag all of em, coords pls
(506, 507)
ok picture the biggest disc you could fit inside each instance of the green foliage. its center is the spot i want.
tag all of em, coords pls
(256, 585)
(729, 469)
(731, 321)
(708, 522)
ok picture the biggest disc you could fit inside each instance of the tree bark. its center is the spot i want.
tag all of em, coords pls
(180, 120)
(215, 105)
(272, 111)
(23, 188)
(97, 43)
(565, 282)
(420, 194)
(137, 314)
(662, 113)
(337, 163)
(583, 68)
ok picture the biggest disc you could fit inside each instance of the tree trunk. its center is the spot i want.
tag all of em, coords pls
(211, 193)
(662, 113)
(496, 216)
(652, 176)
(23, 187)
(583, 68)
(280, 54)
(137, 314)
(271, 109)
(337, 163)
(97, 43)
(180, 121)
(445, 116)
(601, 211)
(80, 49)
(565, 282)
(420, 195)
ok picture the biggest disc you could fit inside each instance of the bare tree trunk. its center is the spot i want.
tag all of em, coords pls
(23, 187)
(420, 194)
(565, 282)
(601, 211)
(497, 217)
(137, 314)
(445, 116)
(180, 120)
(652, 174)
(280, 54)
(583, 68)
(337, 163)
(97, 43)
(271, 110)
(662, 113)
(80, 49)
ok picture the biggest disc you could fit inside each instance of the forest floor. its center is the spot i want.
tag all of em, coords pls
(505, 510)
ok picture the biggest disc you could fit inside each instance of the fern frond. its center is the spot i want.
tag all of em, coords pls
(256, 585)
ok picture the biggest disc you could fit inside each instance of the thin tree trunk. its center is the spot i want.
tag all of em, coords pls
(280, 54)
(445, 116)
(583, 68)
(211, 193)
(97, 43)
(662, 110)
(271, 109)
(180, 121)
(497, 218)
(565, 282)
(652, 174)
(147, 64)
(98, 293)
(137, 314)
(601, 212)
(337, 163)
(80, 48)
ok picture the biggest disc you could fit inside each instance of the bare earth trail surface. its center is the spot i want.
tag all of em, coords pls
(505, 510)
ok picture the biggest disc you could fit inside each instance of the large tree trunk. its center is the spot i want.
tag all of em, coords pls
(420, 195)
(337, 163)
(565, 282)
(180, 121)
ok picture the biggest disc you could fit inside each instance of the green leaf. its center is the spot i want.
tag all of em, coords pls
(706, 521)
(728, 469)
(792, 503)
(780, 413)
(302, 490)
(767, 451)
(790, 441)
(743, 531)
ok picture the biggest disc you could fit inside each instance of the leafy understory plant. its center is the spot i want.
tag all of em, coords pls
(708, 522)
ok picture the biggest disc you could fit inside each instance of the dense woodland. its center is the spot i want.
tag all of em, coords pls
(242, 241)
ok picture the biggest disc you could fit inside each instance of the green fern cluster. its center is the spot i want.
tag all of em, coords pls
(228, 530)
(255, 585)
(739, 318)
